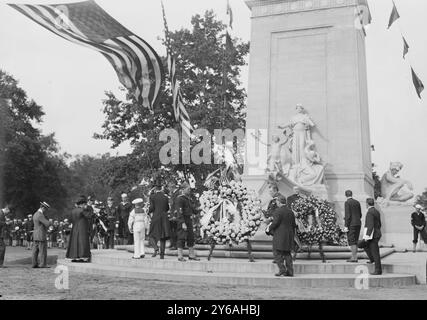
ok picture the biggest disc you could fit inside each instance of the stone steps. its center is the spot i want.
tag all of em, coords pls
(235, 278)
(331, 253)
(124, 259)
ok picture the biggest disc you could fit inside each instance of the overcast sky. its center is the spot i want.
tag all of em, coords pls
(69, 81)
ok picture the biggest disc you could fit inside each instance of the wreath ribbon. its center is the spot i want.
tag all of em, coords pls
(215, 213)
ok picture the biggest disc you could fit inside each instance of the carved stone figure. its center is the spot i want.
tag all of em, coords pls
(304, 168)
(311, 171)
(275, 158)
(300, 125)
(394, 188)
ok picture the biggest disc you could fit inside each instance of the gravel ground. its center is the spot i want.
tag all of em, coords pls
(19, 281)
(22, 282)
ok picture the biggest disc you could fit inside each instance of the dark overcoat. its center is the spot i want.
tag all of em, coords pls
(353, 213)
(159, 207)
(283, 229)
(79, 244)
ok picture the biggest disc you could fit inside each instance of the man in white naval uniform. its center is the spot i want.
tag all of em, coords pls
(137, 224)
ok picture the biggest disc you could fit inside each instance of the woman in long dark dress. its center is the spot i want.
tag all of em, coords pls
(79, 244)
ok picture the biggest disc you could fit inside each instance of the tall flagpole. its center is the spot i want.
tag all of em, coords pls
(170, 54)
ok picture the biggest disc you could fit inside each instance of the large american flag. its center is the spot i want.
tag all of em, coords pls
(181, 114)
(137, 65)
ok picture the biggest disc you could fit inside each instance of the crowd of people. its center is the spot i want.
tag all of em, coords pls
(19, 233)
(283, 229)
(167, 214)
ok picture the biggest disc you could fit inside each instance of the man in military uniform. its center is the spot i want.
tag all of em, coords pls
(8, 232)
(15, 232)
(123, 210)
(3, 215)
(112, 216)
(29, 230)
(67, 232)
(172, 218)
(185, 229)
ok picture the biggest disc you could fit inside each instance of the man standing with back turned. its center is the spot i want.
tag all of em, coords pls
(41, 224)
(353, 223)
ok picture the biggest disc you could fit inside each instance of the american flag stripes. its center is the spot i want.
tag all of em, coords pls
(137, 65)
(181, 114)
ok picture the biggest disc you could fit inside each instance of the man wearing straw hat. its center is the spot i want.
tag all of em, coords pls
(41, 224)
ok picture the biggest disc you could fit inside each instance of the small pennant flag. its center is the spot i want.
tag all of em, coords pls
(230, 14)
(394, 16)
(419, 86)
(405, 48)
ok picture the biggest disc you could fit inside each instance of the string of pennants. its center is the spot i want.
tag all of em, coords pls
(418, 84)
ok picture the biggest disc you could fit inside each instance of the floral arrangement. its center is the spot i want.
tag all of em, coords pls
(317, 222)
(231, 214)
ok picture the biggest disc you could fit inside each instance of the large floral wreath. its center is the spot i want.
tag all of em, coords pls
(317, 222)
(231, 214)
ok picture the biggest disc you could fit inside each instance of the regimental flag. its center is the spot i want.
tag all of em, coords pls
(394, 16)
(136, 63)
(419, 86)
(405, 47)
(181, 114)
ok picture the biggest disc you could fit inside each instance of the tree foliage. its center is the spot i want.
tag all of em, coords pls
(422, 199)
(208, 71)
(31, 164)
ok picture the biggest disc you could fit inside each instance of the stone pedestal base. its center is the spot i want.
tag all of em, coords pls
(396, 225)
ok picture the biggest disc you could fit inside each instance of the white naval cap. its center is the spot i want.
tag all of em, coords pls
(137, 201)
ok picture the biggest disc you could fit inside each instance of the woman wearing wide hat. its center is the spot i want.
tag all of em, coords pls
(159, 226)
(79, 245)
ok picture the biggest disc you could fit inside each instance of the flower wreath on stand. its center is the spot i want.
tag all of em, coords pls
(317, 222)
(231, 214)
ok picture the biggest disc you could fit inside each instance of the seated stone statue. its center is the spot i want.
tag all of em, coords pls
(311, 171)
(394, 188)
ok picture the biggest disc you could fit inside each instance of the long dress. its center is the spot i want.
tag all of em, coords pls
(159, 226)
(301, 125)
(79, 244)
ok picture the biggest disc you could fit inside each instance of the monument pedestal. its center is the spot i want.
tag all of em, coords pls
(312, 52)
(396, 225)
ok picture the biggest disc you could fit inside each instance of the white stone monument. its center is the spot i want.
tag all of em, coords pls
(312, 52)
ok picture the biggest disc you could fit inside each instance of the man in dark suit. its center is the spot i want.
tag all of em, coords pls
(372, 235)
(41, 224)
(353, 223)
(274, 193)
(418, 222)
(283, 230)
(3, 215)
(185, 231)
(159, 226)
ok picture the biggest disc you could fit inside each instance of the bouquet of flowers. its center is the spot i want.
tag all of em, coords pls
(231, 214)
(317, 222)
